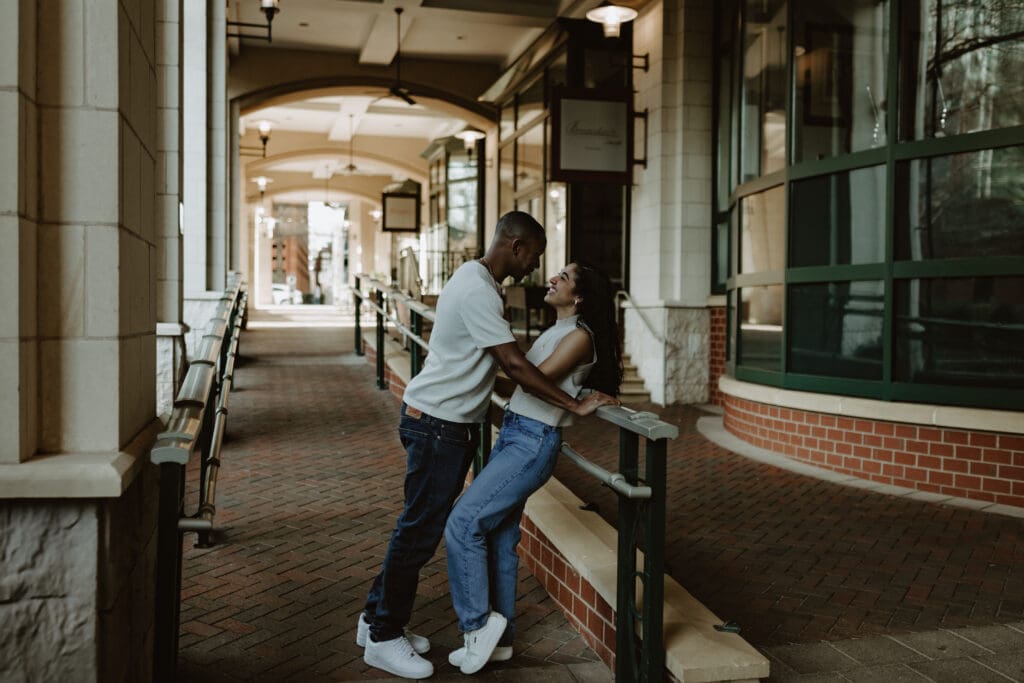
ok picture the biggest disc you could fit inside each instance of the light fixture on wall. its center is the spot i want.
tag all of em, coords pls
(269, 9)
(265, 127)
(611, 17)
(469, 137)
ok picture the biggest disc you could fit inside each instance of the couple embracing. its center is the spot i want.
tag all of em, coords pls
(439, 429)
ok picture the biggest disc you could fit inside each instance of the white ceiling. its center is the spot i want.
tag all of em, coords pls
(482, 31)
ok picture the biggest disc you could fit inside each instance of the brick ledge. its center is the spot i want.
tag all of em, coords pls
(713, 429)
(584, 560)
(978, 419)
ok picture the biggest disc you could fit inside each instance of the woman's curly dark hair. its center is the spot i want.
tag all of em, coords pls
(597, 314)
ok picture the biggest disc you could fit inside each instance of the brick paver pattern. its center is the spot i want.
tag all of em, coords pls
(309, 490)
(794, 559)
(311, 485)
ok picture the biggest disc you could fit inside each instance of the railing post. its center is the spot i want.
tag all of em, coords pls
(357, 299)
(625, 605)
(415, 352)
(168, 572)
(381, 384)
(652, 666)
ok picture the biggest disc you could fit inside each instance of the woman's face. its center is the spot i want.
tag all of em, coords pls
(562, 287)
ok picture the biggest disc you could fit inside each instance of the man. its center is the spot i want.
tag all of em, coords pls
(441, 411)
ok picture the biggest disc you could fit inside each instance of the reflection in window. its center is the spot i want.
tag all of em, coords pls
(961, 66)
(761, 327)
(839, 219)
(840, 51)
(964, 205)
(835, 329)
(764, 88)
(506, 177)
(530, 103)
(763, 236)
(555, 228)
(507, 124)
(530, 158)
(960, 331)
(725, 138)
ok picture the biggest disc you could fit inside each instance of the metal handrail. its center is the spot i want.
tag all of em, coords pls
(196, 424)
(623, 294)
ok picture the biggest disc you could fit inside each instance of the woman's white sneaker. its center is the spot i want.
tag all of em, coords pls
(502, 653)
(480, 644)
(397, 657)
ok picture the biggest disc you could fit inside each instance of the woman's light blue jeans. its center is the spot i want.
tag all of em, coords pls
(483, 530)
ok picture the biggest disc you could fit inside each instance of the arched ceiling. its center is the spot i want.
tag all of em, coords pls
(316, 132)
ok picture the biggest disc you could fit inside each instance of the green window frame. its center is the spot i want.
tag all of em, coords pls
(889, 272)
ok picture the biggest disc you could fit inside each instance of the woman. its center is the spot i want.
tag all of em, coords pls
(581, 350)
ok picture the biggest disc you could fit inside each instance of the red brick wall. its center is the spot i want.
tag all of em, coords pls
(395, 383)
(584, 608)
(716, 355)
(985, 466)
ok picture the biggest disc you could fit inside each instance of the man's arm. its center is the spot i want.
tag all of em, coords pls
(525, 374)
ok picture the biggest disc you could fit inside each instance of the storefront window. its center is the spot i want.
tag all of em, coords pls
(885, 253)
(530, 158)
(960, 67)
(763, 143)
(761, 327)
(838, 219)
(839, 56)
(763, 231)
(961, 331)
(963, 205)
(835, 329)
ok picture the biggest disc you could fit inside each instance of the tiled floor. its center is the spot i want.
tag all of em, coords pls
(832, 583)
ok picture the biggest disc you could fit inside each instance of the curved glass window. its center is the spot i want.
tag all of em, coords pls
(961, 67)
(839, 54)
(869, 164)
(763, 226)
(961, 205)
(839, 219)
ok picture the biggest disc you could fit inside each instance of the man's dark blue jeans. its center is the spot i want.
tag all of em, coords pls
(438, 455)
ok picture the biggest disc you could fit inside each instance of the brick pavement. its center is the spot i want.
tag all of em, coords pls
(794, 559)
(308, 492)
(832, 583)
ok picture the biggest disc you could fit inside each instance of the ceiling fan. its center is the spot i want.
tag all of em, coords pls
(398, 90)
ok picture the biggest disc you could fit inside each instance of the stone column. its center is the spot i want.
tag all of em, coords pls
(170, 328)
(204, 104)
(19, 229)
(668, 325)
(77, 498)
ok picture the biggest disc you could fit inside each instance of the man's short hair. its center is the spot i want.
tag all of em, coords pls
(520, 225)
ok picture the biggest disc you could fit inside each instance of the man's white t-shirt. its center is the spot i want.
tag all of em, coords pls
(458, 375)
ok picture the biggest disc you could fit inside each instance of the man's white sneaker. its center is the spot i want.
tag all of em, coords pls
(419, 643)
(480, 644)
(397, 657)
(502, 653)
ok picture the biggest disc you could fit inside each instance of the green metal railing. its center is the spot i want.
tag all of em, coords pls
(640, 592)
(196, 424)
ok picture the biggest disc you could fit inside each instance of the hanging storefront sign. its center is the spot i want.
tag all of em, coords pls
(592, 136)
(401, 212)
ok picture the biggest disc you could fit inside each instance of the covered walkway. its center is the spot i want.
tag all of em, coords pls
(307, 496)
(832, 583)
